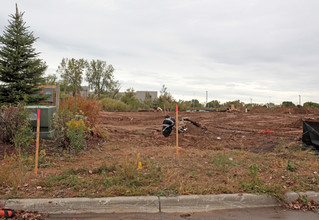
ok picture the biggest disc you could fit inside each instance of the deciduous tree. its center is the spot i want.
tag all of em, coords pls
(311, 104)
(101, 79)
(287, 104)
(213, 104)
(51, 79)
(71, 71)
(166, 99)
(130, 99)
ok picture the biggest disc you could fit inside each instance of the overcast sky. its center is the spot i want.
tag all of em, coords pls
(264, 50)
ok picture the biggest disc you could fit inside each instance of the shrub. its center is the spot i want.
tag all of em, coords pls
(113, 105)
(72, 113)
(59, 126)
(287, 104)
(311, 105)
(76, 134)
(23, 137)
(129, 99)
(15, 125)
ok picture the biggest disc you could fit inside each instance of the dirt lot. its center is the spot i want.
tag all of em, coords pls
(237, 130)
(224, 153)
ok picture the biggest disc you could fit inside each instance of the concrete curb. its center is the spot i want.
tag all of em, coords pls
(292, 196)
(199, 203)
(150, 204)
(2, 202)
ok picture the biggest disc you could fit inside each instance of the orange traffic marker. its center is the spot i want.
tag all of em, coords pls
(7, 213)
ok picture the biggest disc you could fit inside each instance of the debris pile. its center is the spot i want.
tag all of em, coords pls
(303, 204)
(19, 214)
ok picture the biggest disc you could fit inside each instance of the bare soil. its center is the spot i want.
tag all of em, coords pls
(237, 130)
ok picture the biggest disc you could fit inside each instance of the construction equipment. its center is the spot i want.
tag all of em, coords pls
(232, 108)
(157, 108)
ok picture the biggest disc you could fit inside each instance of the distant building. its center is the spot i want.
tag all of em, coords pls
(85, 91)
(146, 95)
(143, 95)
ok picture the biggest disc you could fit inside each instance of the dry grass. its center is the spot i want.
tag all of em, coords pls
(13, 172)
(109, 172)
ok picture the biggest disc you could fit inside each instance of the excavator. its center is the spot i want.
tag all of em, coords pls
(157, 108)
(232, 108)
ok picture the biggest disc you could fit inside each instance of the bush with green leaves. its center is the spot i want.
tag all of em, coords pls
(130, 99)
(75, 107)
(113, 105)
(58, 124)
(311, 105)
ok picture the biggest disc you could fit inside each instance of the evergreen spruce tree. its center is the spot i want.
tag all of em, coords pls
(21, 72)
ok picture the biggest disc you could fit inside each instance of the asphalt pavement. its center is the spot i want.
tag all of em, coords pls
(270, 213)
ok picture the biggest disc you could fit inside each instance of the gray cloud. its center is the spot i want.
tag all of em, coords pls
(232, 49)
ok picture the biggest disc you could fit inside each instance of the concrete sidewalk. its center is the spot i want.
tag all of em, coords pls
(150, 204)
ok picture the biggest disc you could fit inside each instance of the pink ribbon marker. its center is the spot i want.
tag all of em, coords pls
(38, 114)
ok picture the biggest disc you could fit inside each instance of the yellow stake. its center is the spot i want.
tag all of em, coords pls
(139, 163)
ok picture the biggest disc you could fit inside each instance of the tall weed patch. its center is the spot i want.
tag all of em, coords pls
(112, 105)
(60, 128)
(76, 134)
(12, 172)
(77, 116)
(88, 107)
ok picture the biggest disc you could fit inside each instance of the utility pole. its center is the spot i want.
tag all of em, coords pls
(300, 100)
(206, 97)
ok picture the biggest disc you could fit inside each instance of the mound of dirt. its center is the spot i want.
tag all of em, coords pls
(259, 109)
(297, 110)
(285, 110)
(193, 129)
(295, 124)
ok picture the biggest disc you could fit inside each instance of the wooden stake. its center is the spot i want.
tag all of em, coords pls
(37, 143)
(177, 153)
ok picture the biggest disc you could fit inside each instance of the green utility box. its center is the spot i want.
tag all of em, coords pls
(46, 116)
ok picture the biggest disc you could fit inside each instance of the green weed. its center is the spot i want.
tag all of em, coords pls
(45, 161)
(115, 148)
(254, 184)
(290, 167)
(222, 162)
(304, 198)
(165, 192)
(103, 169)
